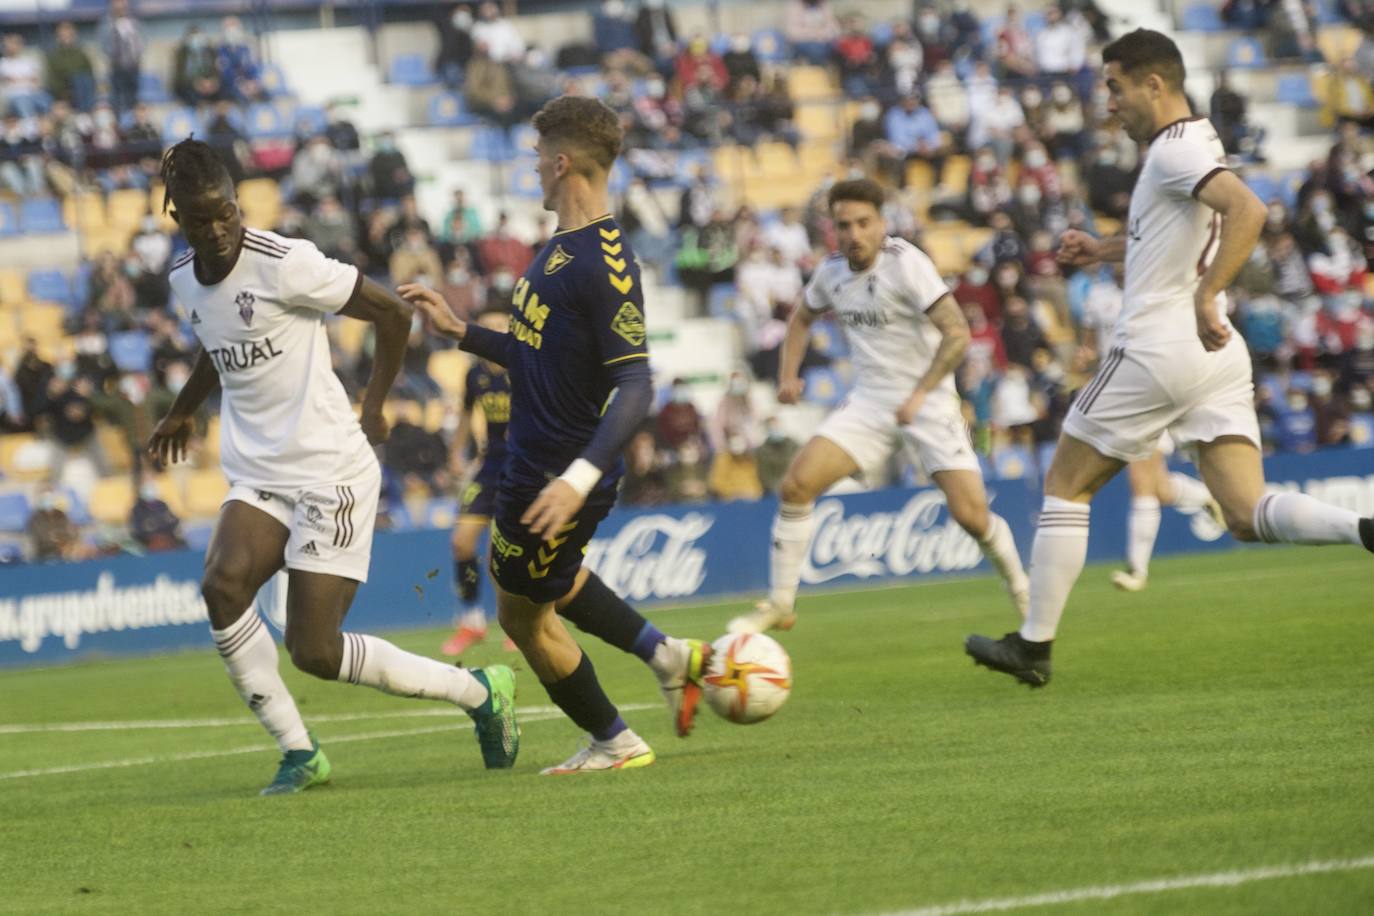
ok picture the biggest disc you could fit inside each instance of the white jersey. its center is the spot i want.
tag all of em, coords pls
(1101, 311)
(285, 421)
(883, 311)
(1172, 237)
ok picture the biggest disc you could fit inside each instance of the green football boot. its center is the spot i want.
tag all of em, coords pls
(299, 770)
(498, 734)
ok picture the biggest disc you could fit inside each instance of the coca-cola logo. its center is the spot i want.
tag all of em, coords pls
(653, 556)
(913, 539)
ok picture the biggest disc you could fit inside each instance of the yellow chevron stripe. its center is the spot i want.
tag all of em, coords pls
(622, 284)
(536, 573)
(568, 527)
(609, 235)
(615, 264)
(612, 249)
(546, 558)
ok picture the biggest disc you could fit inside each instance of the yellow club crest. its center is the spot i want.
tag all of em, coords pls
(557, 261)
(629, 324)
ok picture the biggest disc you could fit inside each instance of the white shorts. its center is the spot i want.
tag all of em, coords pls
(1142, 390)
(937, 440)
(331, 524)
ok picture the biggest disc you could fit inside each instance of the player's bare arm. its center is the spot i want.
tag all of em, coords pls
(390, 315)
(949, 320)
(793, 349)
(168, 442)
(1242, 219)
(489, 344)
(1079, 249)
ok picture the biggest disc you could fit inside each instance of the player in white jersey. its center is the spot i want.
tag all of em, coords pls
(1175, 363)
(1152, 484)
(907, 335)
(303, 478)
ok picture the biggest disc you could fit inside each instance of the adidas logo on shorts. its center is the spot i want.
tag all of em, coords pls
(195, 318)
(310, 550)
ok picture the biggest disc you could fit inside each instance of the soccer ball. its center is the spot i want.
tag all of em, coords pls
(748, 677)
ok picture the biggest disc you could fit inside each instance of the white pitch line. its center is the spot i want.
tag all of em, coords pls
(544, 715)
(27, 728)
(1158, 886)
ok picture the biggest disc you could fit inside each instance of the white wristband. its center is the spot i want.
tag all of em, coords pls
(581, 475)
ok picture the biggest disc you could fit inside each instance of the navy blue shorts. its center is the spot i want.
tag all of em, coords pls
(534, 568)
(478, 496)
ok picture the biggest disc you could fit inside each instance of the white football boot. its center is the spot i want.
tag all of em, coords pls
(764, 617)
(1127, 581)
(626, 751)
(679, 665)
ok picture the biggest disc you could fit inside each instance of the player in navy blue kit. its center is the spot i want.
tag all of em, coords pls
(486, 389)
(580, 386)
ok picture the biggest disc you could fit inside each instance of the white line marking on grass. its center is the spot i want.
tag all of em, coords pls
(1158, 886)
(545, 714)
(26, 728)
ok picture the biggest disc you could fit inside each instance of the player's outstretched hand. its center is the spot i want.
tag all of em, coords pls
(555, 506)
(910, 408)
(1077, 249)
(1213, 333)
(374, 426)
(790, 391)
(169, 439)
(433, 306)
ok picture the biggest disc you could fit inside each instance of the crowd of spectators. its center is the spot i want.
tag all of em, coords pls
(1015, 107)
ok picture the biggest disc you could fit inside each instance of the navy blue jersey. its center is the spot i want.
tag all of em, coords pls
(577, 319)
(489, 390)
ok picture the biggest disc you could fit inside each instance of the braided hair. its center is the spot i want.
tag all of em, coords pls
(190, 166)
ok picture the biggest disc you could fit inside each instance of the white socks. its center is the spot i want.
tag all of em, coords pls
(474, 619)
(1061, 546)
(250, 655)
(791, 534)
(377, 663)
(1000, 548)
(1189, 492)
(1142, 527)
(1294, 518)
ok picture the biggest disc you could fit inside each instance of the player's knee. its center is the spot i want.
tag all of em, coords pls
(1242, 529)
(225, 596)
(795, 490)
(319, 657)
(970, 515)
(518, 626)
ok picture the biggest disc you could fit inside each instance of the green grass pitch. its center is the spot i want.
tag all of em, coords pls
(1221, 720)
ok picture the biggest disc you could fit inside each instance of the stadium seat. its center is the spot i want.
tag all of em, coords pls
(310, 120)
(41, 214)
(9, 219)
(12, 286)
(410, 70)
(881, 33)
(1290, 183)
(131, 351)
(265, 121)
(1265, 187)
(1012, 463)
(84, 212)
(115, 447)
(449, 369)
(42, 322)
(126, 208)
(823, 386)
(50, 286)
(770, 46)
(1295, 89)
(151, 90)
(14, 511)
(350, 335)
(273, 81)
(523, 179)
(1202, 17)
(807, 83)
(260, 199)
(720, 301)
(1245, 54)
(827, 340)
(179, 124)
(205, 491)
(81, 281)
(113, 239)
(111, 500)
(492, 145)
(446, 109)
(23, 456)
(1362, 430)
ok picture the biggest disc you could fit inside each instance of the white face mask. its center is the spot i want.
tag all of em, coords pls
(462, 20)
(148, 492)
(1321, 387)
(976, 276)
(1035, 159)
(1029, 194)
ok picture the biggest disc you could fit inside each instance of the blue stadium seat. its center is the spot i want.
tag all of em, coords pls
(1202, 17)
(1245, 54)
(491, 144)
(1325, 13)
(1035, 22)
(523, 179)
(179, 124)
(720, 44)
(14, 511)
(81, 281)
(828, 340)
(1265, 187)
(41, 214)
(50, 286)
(990, 26)
(1362, 430)
(1296, 89)
(151, 90)
(410, 70)
(310, 120)
(1013, 463)
(618, 182)
(823, 386)
(446, 109)
(266, 122)
(881, 33)
(1044, 454)
(198, 535)
(75, 507)
(9, 219)
(770, 45)
(131, 351)
(273, 81)
(720, 301)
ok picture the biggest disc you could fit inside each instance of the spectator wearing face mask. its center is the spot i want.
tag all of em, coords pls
(1015, 47)
(1339, 265)
(1109, 185)
(678, 420)
(688, 472)
(774, 455)
(152, 523)
(455, 44)
(913, 130)
(53, 537)
(121, 38)
(1064, 129)
(995, 124)
(644, 483)
(69, 73)
(656, 29)
(498, 33)
(735, 472)
(811, 28)
(195, 69)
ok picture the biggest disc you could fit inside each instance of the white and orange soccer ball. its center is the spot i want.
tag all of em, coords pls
(748, 677)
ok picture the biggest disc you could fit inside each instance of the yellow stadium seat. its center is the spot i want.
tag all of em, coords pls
(945, 250)
(212, 440)
(10, 446)
(434, 414)
(170, 493)
(818, 157)
(112, 499)
(810, 83)
(115, 446)
(84, 212)
(351, 334)
(155, 200)
(920, 175)
(774, 160)
(818, 121)
(449, 369)
(13, 290)
(205, 490)
(261, 202)
(115, 240)
(1338, 43)
(957, 169)
(9, 333)
(1107, 227)
(42, 322)
(126, 209)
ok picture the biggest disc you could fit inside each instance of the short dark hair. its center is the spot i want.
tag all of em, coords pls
(189, 167)
(863, 190)
(1146, 51)
(587, 124)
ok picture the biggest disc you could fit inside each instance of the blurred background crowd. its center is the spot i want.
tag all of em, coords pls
(990, 132)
